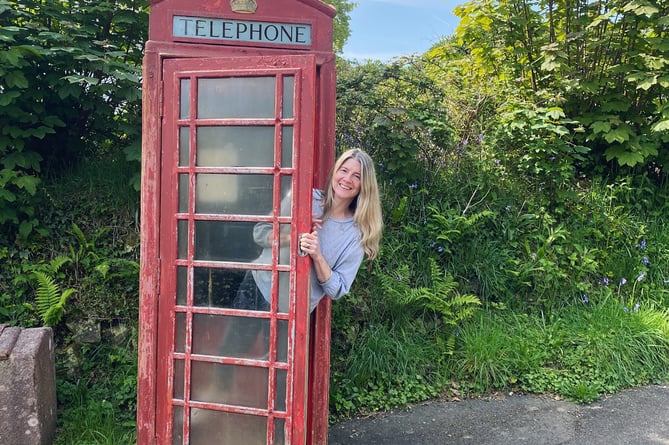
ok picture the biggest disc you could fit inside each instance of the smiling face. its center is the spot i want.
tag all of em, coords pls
(346, 180)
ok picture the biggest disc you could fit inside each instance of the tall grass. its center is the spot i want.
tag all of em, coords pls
(580, 351)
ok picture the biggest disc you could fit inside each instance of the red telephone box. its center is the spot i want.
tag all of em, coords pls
(238, 127)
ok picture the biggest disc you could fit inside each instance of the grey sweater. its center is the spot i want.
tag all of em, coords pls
(340, 245)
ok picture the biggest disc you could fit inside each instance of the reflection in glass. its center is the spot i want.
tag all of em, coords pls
(286, 188)
(225, 241)
(284, 244)
(184, 146)
(236, 97)
(235, 146)
(288, 94)
(287, 147)
(227, 428)
(184, 108)
(229, 194)
(215, 287)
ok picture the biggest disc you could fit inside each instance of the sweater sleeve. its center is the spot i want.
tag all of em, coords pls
(262, 231)
(344, 271)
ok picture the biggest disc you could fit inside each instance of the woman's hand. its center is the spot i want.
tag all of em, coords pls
(309, 244)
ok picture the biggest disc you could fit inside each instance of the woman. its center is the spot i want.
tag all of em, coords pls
(347, 226)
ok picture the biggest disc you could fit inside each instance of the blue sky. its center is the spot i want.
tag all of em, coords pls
(383, 29)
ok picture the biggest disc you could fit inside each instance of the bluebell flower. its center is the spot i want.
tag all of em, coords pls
(641, 276)
(507, 207)
(636, 307)
(623, 281)
(606, 281)
(414, 185)
(643, 244)
(645, 261)
(625, 309)
(432, 244)
(585, 299)
(440, 249)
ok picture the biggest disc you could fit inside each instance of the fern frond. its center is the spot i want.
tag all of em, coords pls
(48, 292)
(56, 263)
(50, 300)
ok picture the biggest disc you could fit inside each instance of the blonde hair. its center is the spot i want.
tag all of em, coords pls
(366, 207)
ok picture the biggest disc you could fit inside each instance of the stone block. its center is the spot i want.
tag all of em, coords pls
(27, 386)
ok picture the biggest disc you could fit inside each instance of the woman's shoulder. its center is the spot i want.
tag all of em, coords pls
(318, 194)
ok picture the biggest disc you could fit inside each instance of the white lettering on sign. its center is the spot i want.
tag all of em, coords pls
(241, 31)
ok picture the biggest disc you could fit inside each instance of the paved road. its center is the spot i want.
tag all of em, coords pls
(638, 416)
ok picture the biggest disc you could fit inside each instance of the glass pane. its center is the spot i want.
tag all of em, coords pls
(227, 335)
(183, 193)
(279, 432)
(288, 93)
(208, 333)
(233, 194)
(286, 189)
(280, 402)
(216, 287)
(236, 97)
(235, 146)
(179, 379)
(230, 384)
(282, 344)
(247, 338)
(225, 241)
(182, 283)
(177, 429)
(184, 109)
(226, 428)
(180, 332)
(182, 238)
(284, 292)
(184, 146)
(287, 147)
(284, 244)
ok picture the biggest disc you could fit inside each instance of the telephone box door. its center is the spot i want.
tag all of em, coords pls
(237, 169)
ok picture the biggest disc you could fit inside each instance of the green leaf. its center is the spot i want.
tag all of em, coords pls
(618, 135)
(555, 113)
(623, 156)
(600, 127)
(12, 57)
(662, 125)
(25, 228)
(7, 97)
(81, 79)
(16, 79)
(28, 183)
